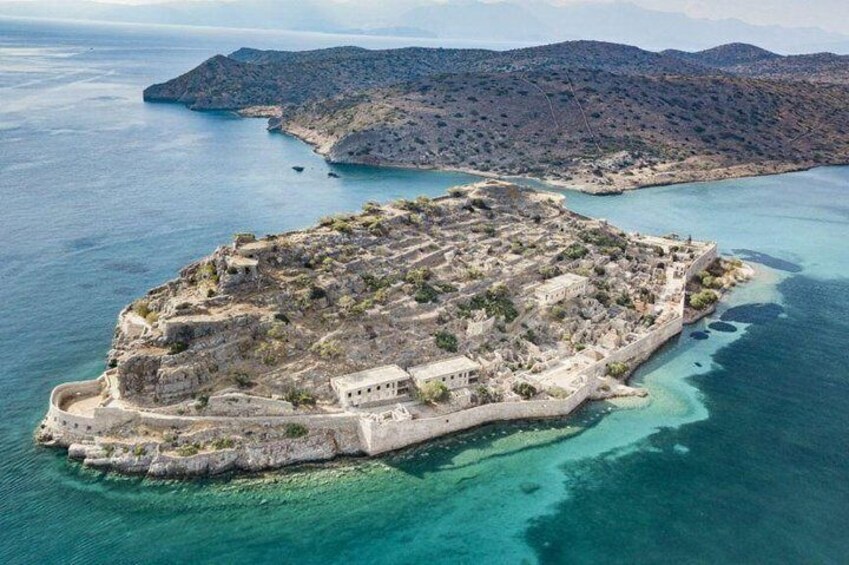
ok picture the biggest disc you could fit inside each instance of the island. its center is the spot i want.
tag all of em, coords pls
(586, 115)
(378, 330)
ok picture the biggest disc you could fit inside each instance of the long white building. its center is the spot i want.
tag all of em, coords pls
(455, 372)
(563, 287)
(378, 385)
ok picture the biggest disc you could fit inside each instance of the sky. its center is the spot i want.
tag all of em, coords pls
(830, 15)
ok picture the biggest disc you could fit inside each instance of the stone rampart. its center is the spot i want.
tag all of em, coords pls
(380, 436)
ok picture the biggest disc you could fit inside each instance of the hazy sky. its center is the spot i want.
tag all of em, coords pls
(832, 15)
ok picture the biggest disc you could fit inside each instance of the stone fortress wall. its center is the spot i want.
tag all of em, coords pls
(354, 432)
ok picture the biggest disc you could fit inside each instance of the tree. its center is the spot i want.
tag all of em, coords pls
(433, 392)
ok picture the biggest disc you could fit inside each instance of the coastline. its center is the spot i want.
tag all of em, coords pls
(693, 170)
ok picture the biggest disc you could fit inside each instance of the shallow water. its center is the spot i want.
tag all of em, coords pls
(739, 454)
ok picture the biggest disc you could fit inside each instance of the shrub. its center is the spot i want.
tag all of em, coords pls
(558, 312)
(327, 349)
(342, 226)
(299, 397)
(202, 402)
(479, 203)
(495, 301)
(525, 390)
(473, 273)
(708, 280)
(548, 271)
(617, 369)
(486, 395)
(446, 341)
(375, 283)
(602, 297)
(222, 443)
(426, 293)
(433, 391)
(418, 276)
(295, 430)
(574, 251)
(703, 299)
(277, 330)
(602, 238)
(139, 451)
(377, 228)
(557, 392)
(188, 450)
(242, 380)
(317, 293)
(372, 208)
(142, 308)
(177, 347)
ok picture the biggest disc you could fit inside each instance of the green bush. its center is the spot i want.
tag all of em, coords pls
(447, 341)
(433, 391)
(242, 380)
(188, 450)
(548, 271)
(327, 349)
(495, 301)
(703, 299)
(617, 369)
(294, 431)
(574, 251)
(624, 300)
(418, 276)
(299, 397)
(426, 293)
(222, 443)
(525, 390)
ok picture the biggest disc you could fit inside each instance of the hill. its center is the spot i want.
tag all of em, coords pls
(597, 116)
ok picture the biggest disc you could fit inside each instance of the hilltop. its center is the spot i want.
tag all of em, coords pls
(596, 116)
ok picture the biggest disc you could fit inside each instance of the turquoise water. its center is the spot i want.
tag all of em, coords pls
(738, 456)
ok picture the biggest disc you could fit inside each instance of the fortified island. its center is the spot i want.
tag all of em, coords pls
(375, 331)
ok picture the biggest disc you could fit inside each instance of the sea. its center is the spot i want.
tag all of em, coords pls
(739, 455)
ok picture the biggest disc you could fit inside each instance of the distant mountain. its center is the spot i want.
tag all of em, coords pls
(729, 55)
(599, 115)
(748, 60)
(528, 21)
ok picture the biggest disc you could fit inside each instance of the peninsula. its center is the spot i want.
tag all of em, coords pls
(593, 116)
(374, 331)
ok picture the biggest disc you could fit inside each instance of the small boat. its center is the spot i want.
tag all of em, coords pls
(298, 169)
(333, 175)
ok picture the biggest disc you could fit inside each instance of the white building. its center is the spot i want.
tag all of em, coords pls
(455, 372)
(564, 287)
(379, 385)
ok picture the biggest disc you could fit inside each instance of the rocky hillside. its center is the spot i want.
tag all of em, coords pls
(597, 116)
(597, 130)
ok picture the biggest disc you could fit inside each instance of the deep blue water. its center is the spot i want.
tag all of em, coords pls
(739, 455)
